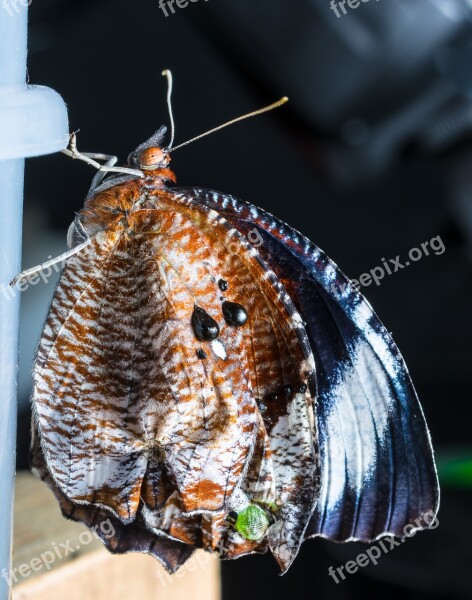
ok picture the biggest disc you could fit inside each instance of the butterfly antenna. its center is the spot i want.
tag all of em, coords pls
(167, 73)
(247, 116)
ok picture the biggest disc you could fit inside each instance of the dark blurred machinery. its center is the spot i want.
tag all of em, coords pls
(367, 82)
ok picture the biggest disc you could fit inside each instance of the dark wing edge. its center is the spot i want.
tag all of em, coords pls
(378, 475)
(117, 537)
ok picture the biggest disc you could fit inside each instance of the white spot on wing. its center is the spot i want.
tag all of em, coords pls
(219, 349)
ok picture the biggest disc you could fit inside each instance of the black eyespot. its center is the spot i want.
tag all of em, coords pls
(261, 405)
(201, 354)
(288, 390)
(206, 329)
(232, 517)
(302, 388)
(223, 285)
(234, 314)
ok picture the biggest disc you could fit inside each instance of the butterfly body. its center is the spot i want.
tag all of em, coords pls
(186, 373)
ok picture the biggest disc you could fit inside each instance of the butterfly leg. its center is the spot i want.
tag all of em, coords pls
(92, 158)
(110, 161)
(49, 263)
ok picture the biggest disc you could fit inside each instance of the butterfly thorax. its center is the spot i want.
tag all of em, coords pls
(111, 207)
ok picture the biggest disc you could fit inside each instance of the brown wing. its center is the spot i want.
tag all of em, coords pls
(133, 409)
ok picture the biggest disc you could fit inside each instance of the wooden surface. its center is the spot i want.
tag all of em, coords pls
(57, 558)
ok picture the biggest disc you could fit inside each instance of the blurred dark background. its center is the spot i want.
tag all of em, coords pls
(372, 157)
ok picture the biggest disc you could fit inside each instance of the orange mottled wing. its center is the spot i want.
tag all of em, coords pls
(141, 412)
(82, 384)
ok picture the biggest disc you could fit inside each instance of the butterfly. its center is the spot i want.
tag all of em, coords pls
(208, 378)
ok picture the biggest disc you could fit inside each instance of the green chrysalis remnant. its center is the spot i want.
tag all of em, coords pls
(252, 523)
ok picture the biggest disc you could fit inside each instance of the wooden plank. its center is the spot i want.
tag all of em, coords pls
(42, 568)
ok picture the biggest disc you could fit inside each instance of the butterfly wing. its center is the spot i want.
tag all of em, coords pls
(377, 467)
(133, 419)
(117, 537)
(82, 383)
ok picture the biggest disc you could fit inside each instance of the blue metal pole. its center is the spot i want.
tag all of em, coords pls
(11, 195)
(33, 121)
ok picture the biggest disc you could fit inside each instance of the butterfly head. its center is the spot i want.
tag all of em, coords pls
(153, 158)
(151, 155)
